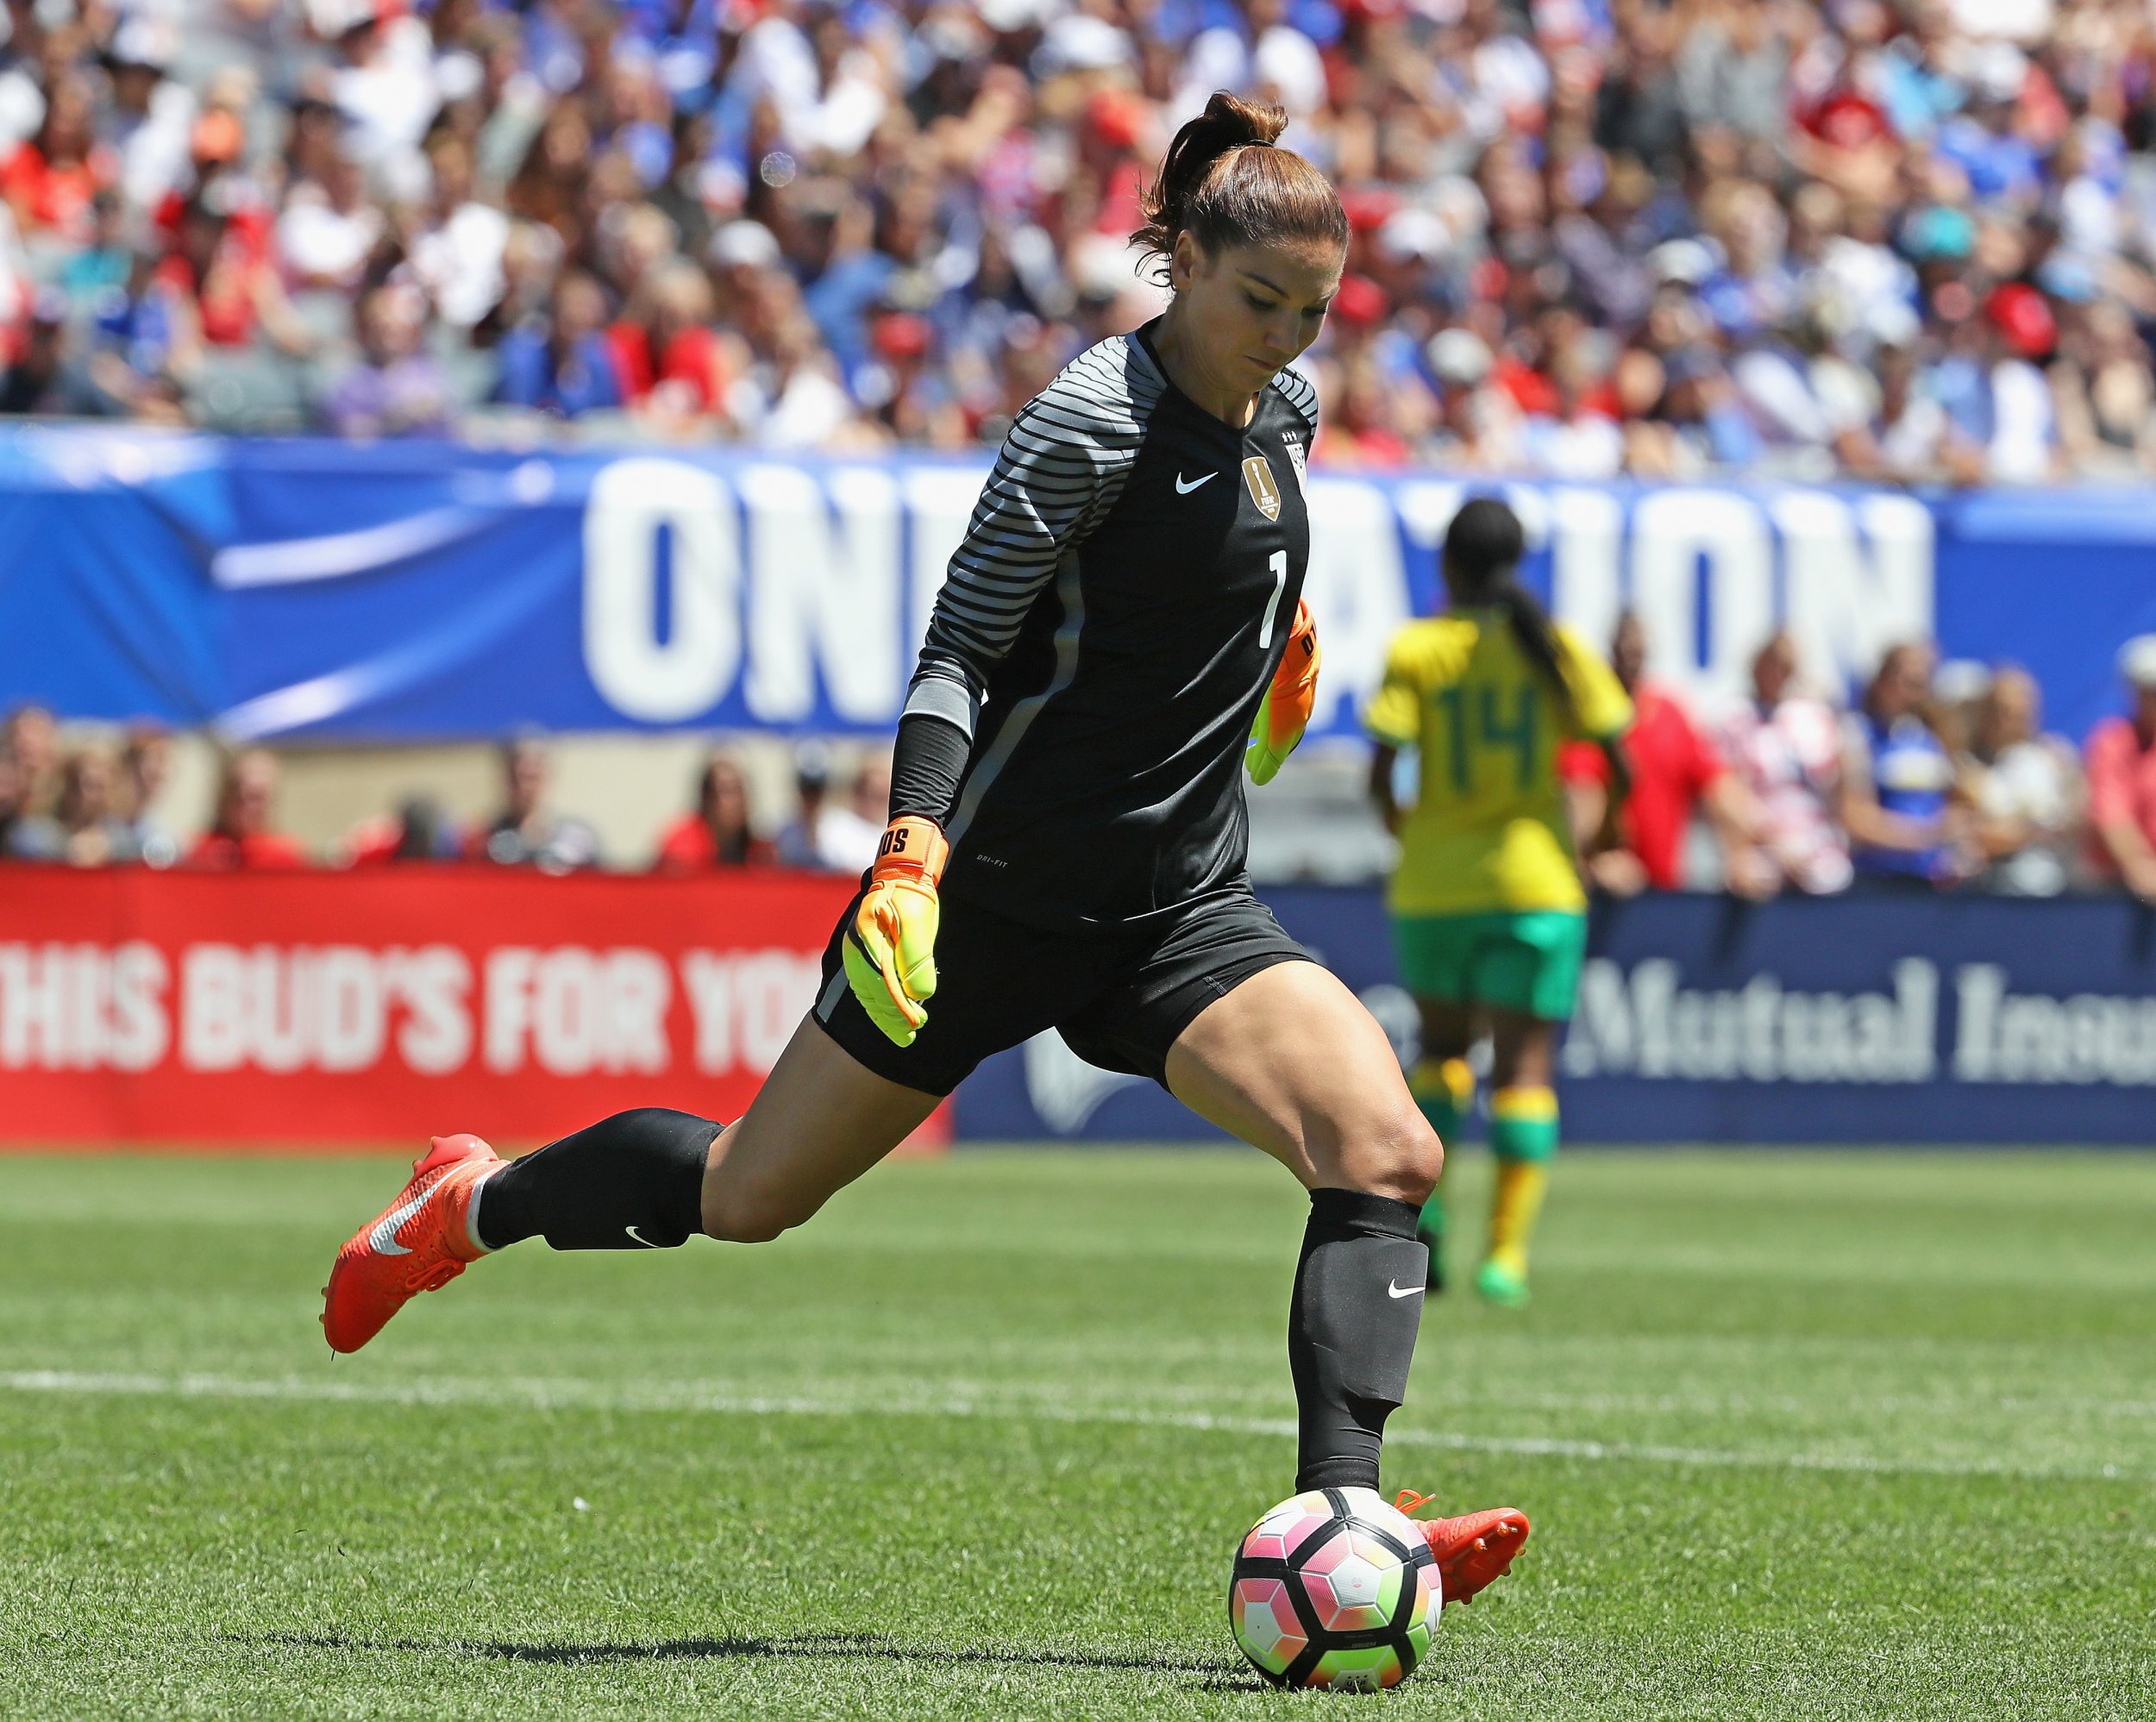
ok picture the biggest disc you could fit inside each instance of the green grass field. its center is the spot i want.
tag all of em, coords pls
(1803, 1435)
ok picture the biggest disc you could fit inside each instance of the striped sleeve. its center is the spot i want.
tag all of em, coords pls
(1061, 469)
(1300, 393)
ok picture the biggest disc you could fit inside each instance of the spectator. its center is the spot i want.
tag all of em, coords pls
(1674, 771)
(398, 389)
(673, 362)
(871, 792)
(1898, 800)
(825, 836)
(2122, 756)
(566, 368)
(49, 182)
(31, 739)
(417, 831)
(720, 832)
(145, 759)
(24, 836)
(2026, 789)
(92, 832)
(526, 832)
(243, 836)
(43, 381)
(1787, 748)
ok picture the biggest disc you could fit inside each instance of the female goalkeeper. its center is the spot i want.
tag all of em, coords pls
(1121, 628)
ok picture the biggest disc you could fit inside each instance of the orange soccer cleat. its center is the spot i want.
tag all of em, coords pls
(418, 1243)
(1473, 1551)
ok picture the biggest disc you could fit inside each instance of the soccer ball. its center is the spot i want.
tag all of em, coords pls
(1334, 1588)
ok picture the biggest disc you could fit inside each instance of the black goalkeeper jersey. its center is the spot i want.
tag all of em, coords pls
(1107, 631)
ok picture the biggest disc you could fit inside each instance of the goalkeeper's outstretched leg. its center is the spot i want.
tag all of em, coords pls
(650, 1179)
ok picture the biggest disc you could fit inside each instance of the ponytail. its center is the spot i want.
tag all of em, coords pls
(1482, 548)
(1224, 184)
(1537, 638)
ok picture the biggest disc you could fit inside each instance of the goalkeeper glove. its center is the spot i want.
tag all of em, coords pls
(1284, 713)
(890, 949)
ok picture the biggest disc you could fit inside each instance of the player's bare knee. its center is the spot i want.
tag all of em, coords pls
(1391, 1152)
(1405, 1159)
(754, 1215)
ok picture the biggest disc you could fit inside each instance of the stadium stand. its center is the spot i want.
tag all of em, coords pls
(1899, 241)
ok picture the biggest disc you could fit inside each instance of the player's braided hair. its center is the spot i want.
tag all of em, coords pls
(1224, 184)
(1482, 548)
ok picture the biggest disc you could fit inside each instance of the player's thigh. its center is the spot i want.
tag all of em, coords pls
(821, 1119)
(1449, 1027)
(1289, 1061)
(1523, 1050)
(1533, 978)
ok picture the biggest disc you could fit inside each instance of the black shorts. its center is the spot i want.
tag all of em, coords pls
(1119, 996)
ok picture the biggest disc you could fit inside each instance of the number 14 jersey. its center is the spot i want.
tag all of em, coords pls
(1488, 830)
(1108, 627)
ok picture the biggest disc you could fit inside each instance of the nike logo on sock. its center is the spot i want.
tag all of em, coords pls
(1183, 489)
(641, 1238)
(1394, 1289)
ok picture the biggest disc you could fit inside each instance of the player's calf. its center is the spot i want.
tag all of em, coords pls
(1351, 1325)
(631, 1182)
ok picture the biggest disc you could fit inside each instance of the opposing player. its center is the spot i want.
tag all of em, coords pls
(1122, 628)
(1489, 918)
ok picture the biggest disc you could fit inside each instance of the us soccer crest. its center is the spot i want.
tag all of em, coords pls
(1300, 462)
(1257, 473)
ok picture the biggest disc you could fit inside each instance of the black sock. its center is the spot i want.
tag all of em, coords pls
(633, 1181)
(1351, 1332)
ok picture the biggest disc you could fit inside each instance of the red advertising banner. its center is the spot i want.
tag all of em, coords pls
(311, 1009)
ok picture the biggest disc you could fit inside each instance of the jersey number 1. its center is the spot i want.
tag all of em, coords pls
(1278, 568)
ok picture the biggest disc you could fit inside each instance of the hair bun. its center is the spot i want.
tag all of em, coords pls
(1200, 189)
(1245, 122)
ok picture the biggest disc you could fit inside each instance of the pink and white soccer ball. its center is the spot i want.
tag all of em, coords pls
(1335, 1587)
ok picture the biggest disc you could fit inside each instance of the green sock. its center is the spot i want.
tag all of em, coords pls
(1523, 1123)
(1523, 1136)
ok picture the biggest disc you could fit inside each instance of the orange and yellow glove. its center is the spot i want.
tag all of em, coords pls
(1284, 713)
(890, 949)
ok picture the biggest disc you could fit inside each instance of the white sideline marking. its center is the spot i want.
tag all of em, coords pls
(521, 1393)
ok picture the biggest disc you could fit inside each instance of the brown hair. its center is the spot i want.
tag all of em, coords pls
(1224, 184)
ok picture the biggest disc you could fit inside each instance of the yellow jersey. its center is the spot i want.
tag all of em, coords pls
(1488, 831)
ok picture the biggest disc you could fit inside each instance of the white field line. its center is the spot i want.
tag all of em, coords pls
(515, 1394)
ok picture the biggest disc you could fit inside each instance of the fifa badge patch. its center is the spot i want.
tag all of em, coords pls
(1257, 473)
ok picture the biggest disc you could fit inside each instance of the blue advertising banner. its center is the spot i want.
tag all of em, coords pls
(423, 589)
(1864, 1018)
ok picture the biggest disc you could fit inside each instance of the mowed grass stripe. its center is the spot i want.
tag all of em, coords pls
(551, 1395)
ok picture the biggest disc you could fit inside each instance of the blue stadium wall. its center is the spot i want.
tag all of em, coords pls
(1870, 1019)
(417, 590)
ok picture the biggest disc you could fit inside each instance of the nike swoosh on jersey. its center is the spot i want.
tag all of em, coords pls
(1394, 1289)
(383, 1239)
(1184, 490)
(640, 1238)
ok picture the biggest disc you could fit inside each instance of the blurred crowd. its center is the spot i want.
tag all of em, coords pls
(1939, 777)
(93, 805)
(1905, 240)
